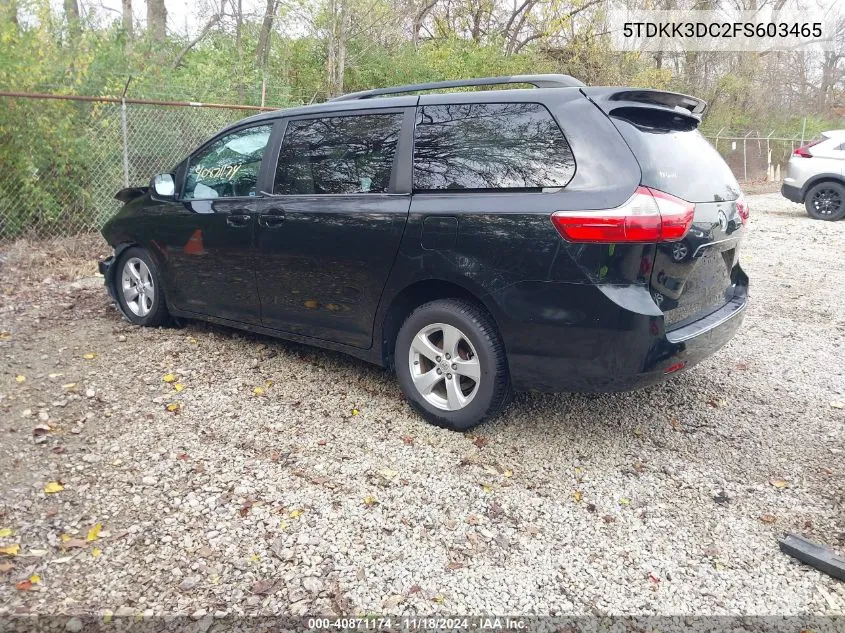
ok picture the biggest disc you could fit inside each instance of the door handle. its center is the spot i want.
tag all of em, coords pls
(272, 219)
(238, 220)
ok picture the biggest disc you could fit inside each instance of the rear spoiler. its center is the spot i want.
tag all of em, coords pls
(610, 99)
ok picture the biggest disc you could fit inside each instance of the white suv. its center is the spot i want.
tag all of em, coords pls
(815, 177)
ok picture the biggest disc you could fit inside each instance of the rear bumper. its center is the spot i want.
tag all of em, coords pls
(792, 193)
(630, 350)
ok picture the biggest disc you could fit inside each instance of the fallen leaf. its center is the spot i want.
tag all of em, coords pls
(407, 439)
(35, 579)
(438, 599)
(780, 484)
(173, 407)
(64, 538)
(473, 519)
(836, 404)
(486, 488)
(96, 552)
(10, 550)
(74, 542)
(178, 387)
(53, 487)
(295, 513)
(4, 335)
(24, 585)
(355, 412)
(258, 391)
(69, 386)
(609, 518)
(262, 587)
(41, 429)
(94, 533)
(638, 431)
(414, 588)
(387, 473)
(169, 378)
(89, 356)
(5, 568)
(182, 457)
(5, 532)
(624, 501)
(577, 496)
(20, 378)
(742, 365)
(480, 442)
(370, 501)
(393, 601)
(768, 518)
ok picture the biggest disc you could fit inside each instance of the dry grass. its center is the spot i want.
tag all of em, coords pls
(67, 259)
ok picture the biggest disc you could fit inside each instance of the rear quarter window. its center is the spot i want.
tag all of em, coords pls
(484, 146)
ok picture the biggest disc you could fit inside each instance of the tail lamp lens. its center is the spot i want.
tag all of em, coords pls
(648, 216)
(804, 150)
(743, 210)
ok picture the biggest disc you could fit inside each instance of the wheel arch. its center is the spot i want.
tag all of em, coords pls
(416, 294)
(819, 179)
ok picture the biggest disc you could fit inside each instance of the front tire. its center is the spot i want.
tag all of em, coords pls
(139, 289)
(451, 364)
(826, 201)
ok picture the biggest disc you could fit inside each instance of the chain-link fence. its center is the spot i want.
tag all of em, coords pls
(756, 158)
(65, 157)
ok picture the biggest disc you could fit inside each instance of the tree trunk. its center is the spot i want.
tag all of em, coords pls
(336, 45)
(72, 17)
(262, 52)
(128, 22)
(157, 20)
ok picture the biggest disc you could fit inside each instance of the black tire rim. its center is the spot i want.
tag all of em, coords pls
(827, 201)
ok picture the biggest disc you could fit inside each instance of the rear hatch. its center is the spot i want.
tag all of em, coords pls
(695, 276)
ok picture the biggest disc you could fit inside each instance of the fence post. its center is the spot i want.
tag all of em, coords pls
(745, 157)
(125, 142)
(124, 132)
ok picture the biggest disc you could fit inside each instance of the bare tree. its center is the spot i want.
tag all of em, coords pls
(157, 20)
(262, 51)
(127, 20)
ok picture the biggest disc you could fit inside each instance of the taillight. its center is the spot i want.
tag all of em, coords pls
(648, 216)
(743, 210)
(804, 150)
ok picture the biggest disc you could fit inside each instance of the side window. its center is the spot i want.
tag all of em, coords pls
(481, 146)
(343, 154)
(228, 167)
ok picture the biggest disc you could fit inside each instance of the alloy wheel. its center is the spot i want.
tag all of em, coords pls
(138, 286)
(444, 366)
(827, 201)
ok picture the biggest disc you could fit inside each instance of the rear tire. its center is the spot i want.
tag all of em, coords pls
(826, 201)
(451, 364)
(138, 287)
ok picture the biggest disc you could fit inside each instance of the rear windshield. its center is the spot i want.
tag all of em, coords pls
(675, 157)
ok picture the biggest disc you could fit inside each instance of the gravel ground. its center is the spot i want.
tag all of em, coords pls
(293, 480)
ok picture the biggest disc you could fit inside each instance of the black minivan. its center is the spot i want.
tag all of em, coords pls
(554, 238)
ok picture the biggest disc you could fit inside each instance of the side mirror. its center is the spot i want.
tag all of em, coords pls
(163, 186)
